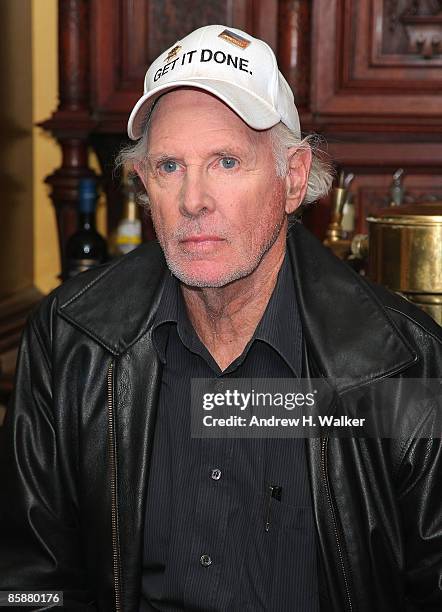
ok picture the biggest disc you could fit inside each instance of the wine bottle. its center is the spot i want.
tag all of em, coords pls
(129, 228)
(86, 248)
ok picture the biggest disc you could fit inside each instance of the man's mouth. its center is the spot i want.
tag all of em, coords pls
(202, 238)
(201, 242)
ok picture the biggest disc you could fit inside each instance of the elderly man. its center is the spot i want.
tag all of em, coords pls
(106, 495)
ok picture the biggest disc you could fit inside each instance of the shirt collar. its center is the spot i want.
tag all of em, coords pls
(279, 327)
(167, 313)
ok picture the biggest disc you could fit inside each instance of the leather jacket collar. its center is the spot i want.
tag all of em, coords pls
(352, 340)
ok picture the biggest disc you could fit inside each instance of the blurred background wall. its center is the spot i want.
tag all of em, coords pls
(46, 152)
(29, 249)
(29, 252)
(28, 60)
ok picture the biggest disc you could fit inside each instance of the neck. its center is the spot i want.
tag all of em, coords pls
(225, 318)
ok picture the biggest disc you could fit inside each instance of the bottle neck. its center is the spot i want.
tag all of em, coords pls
(130, 209)
(86, 220)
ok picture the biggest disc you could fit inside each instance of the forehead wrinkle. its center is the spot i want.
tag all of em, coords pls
(176, 147)
(171, 147)
(254, 137)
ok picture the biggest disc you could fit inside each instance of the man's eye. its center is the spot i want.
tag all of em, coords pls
(169, 166)
(228, 163)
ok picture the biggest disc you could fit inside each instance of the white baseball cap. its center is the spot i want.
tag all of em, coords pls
(233, 66)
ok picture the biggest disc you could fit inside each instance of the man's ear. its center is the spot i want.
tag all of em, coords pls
(296, 181)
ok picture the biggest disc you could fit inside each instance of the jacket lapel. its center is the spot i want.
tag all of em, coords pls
(118, 304)
(349, 334)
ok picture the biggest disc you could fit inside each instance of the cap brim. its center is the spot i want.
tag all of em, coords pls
(253, 110)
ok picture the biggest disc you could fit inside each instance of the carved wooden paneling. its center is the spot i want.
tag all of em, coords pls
(364, 65)
(409, 32)
(128, 36)
(170, 19)
(366, 154)
(293, 49)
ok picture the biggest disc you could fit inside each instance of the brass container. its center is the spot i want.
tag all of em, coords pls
(405, 253)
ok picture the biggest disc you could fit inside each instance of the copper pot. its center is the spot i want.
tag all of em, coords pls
(405, 253)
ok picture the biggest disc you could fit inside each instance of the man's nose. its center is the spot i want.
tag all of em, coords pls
(195, 196)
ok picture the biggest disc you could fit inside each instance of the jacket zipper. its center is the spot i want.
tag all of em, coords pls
(324, 444)
(112, 461)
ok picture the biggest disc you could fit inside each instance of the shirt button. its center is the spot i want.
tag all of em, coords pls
(205, 560)
(215, 474)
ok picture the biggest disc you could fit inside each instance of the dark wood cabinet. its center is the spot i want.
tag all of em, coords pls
(366, 75)
(364, 68)
(128, 36)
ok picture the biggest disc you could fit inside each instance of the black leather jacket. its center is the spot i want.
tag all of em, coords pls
(79, 430)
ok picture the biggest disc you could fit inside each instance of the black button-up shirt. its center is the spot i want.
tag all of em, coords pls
(206, 546)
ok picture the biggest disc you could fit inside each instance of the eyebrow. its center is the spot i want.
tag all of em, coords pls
(224, 151)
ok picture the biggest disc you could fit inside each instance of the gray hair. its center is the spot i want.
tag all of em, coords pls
(321, 172)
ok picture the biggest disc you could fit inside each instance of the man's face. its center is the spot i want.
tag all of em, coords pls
(216, 202)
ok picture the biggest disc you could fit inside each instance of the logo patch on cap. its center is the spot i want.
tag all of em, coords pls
(173, 52)
(234, 39)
